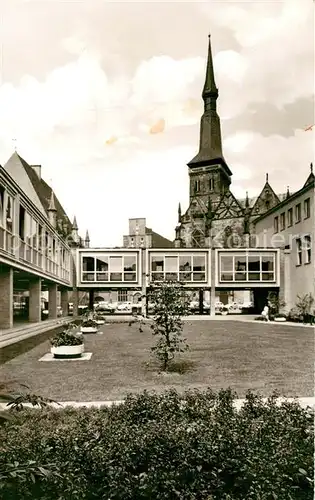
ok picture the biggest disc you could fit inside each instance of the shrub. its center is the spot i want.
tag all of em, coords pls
(66, 338)
(89, 323)
(193, 447)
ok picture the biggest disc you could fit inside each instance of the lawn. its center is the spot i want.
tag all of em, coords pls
(222, 354)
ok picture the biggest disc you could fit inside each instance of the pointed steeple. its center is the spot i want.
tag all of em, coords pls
(210, 142)
(87, 239)
(311, 176)
(288, 192)
(52, 211)
(267, 177)
(179, 213)
(247, 200)
(52, 206)
(74, 223)
(210, 92)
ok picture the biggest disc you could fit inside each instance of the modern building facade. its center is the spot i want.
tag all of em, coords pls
(37, 241)
(290, 225)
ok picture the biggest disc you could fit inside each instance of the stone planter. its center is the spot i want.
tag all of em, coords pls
(280, 319)
(88, 329)
(99, 321)
(224, 313)
(67, 351)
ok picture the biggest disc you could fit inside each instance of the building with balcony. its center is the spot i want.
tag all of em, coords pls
(37, 242)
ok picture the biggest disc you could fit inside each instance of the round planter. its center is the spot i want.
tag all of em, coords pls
(224, 313)
(99, 321)
(88, 329)
(67, 351)
(280, 320)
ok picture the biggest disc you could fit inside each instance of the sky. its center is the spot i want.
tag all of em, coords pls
(106, 96)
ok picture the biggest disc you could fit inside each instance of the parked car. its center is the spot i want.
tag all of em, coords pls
(125, 306)
(105, 307)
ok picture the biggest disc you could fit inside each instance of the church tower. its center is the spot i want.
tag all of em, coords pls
(212, 207)
(209, 175)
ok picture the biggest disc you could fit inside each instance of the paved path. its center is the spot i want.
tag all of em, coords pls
(304, 402)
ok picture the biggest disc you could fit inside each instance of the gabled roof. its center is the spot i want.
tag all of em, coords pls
(43, 191)
(159, 241)
(229, 207)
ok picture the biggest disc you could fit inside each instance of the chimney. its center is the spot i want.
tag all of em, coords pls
(38, 170)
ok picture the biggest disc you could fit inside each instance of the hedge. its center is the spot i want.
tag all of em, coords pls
(194, 446)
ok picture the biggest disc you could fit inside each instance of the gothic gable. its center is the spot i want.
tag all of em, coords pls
(265, 201)
(229, 207)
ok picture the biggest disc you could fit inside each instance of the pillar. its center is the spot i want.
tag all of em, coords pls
(201, 302)
(75, 301)
(91, 300)
(212, 278)
(6, 297)
(64, 301)
(52, 301)
(285, 279)
(34, 307)
(143, 278)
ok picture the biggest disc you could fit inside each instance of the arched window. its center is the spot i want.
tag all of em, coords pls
(211, 184)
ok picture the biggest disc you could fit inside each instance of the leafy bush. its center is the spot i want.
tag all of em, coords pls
(66, 338)
(194, 447)
(89, 323)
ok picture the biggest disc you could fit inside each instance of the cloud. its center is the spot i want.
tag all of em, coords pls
(108, 116)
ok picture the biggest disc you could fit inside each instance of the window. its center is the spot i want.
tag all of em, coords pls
(130, 268)
(122, 295)
(298, 213)
(308, 249)
(88, 267)
(171, 268)
(257, 267)
(282, 221)
(276, 224)
(1, 204)
(197, 186)
(307, 208)
(199, 268)
(22, 222)
(211, 184)
(298, 252)
(9, 214)
(115, 267)
(185, 267)
(290, 217)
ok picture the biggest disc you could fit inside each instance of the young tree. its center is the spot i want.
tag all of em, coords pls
(169, 303)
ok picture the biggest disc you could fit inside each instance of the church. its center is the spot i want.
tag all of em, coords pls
(215, 218)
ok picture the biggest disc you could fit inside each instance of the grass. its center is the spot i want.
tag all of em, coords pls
(222, 354)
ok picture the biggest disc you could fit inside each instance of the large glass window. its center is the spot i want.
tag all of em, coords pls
(255, 267)
(199, 268)
(109, 268)
(185, 267)
(130, 268)
(171, 268)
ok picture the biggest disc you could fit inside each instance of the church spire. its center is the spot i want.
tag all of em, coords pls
(210, 92)
(210, 142)
(179, 213)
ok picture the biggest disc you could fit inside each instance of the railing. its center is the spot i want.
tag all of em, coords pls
(26, 253)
